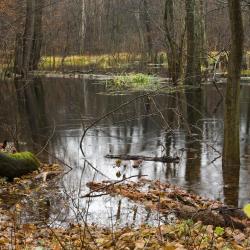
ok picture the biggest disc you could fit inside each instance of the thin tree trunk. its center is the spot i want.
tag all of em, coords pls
(18, 57)
(202, 33)
(37, 36)
(140, 31)
(174, 49)
(83, 26)
(193, 69)
(28, 35)
(148, 29)
(231, 148)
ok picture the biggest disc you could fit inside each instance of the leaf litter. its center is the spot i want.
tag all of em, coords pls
(219, 227)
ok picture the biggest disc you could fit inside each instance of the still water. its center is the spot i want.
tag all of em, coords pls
(48, 115)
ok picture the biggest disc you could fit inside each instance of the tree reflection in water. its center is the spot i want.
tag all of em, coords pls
(192, 131)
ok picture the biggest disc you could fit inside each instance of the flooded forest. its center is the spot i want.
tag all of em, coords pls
(124, 124)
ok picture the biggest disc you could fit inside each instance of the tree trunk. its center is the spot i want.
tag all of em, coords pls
(231, 148)
(174, 49)
(28, 57)
(140, 31)
(28, 35)
(83, 26)
(37, 35)
(202, 34)
(148, 29)
(193, 69)
(18, 54)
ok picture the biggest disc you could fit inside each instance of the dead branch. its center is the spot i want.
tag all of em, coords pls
(165, 159)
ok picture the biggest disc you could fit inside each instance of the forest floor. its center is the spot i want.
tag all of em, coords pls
(194, 222)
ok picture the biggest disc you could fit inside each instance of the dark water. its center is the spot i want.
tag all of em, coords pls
(51, 114)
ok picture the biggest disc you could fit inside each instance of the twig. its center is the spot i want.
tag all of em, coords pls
(47, 142)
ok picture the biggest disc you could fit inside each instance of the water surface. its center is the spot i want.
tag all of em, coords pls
(51, 114)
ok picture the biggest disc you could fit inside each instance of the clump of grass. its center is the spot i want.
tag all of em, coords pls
(134, 81)
(104, 61)
(245, 72)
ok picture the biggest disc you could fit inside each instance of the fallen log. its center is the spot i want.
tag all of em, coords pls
(18, 164)
(80, 71)
(165, 159)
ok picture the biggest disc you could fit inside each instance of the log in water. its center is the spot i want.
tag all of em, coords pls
(165, 159)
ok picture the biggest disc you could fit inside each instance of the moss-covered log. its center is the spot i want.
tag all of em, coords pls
(15, 165)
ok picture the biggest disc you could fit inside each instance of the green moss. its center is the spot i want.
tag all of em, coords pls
(15, 165)
(28, 156)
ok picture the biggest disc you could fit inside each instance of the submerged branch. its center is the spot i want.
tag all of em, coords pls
(165, 159)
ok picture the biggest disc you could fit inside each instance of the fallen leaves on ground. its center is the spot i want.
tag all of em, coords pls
(179, 236)
(167, 198)
(11, 192)
(184, 233)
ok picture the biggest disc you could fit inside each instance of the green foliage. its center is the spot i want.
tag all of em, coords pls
(219, 231)
(184, 227)
(246, 210)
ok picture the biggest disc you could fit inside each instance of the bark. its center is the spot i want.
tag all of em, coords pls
(37, 35)
(174, 47)
(140, 30)
(18, 54)
(28, 35)
(194, 137)
(193, 69)
(231, 147)
(28, 57)
(202, 34)
(148, 29)
(83, 25)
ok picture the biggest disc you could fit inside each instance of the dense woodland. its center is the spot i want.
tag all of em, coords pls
(103, 26)
(191, 33)
(116, 115)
